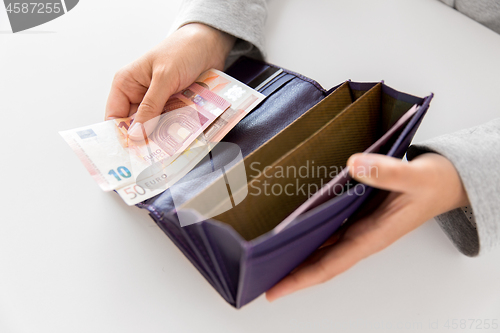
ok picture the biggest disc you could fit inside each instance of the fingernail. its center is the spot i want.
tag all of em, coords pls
(272, 298)
(278, 294)
(111, 118)
(135, 132)
(362, 166)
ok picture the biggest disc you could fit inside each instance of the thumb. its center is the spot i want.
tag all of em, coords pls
(384, 172)
(150, 109)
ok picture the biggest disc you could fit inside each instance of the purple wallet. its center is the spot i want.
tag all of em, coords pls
(246, 250)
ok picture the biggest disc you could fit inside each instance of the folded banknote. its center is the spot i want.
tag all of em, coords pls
(192, 123)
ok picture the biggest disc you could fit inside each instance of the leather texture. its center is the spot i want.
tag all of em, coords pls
(238, 252)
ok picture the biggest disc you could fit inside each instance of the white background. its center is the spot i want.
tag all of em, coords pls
(76, 259)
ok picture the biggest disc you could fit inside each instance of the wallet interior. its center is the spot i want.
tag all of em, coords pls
(285, 171)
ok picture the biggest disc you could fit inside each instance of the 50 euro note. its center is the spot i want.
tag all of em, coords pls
(140, 169)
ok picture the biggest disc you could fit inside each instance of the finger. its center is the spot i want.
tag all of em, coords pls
(329, 262)
(337, 235)
(384, 172)
(151, 106)
(118, 104)
(360, 240)
(133, 108)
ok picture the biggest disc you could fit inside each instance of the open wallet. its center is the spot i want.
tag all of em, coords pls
(295, 191)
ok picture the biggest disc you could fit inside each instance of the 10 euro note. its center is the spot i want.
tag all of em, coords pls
(164, 173)
(114, 160)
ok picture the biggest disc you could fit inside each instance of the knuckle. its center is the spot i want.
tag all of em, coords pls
(162, 72)
(120, 78)
(169, 77)
(161, 69)
(148, 108)
(121, 73)
(118, 73)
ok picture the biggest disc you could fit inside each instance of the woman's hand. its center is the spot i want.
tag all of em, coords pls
(168, 68)
(421, 189)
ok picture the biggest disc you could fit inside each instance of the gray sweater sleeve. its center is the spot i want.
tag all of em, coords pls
(475, 153)
(243, 19)
(486, 12)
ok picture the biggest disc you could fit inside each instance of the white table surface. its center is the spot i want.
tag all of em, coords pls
(76, 259)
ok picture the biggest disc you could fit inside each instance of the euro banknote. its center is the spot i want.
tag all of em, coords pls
(112, 157)
(140, 169)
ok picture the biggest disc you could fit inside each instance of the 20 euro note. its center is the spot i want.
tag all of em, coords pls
(114, 161)
(185, 116)
(161, 176)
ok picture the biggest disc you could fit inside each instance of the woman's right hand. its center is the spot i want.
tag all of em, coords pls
(168, 68)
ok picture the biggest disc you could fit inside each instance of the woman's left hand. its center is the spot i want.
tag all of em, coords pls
(421, 189)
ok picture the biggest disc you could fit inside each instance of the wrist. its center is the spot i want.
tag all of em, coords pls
(445, 183)
(217, 43)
